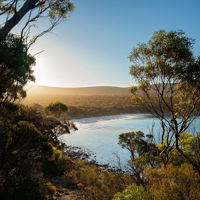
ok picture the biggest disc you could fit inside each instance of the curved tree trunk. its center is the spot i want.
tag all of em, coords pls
(12, 22)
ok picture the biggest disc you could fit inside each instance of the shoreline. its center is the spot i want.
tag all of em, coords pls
(110, 117)
(88, 112)
(76, 152)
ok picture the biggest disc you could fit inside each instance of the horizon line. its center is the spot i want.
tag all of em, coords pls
(63, 87)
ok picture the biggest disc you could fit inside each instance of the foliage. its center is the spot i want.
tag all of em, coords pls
(190, 145)
(23, 188)
(15, 68)
(175, 180)
(166, 183)
(143, 153)
(169, 183)
(135, 142)
(57, 167)
(13, 11)
(23, 148)
(160, 67)
(96, 183)
(56, 108)
(88, 106)
(19, 142)
(48, 125)
(28, 138)
(133, 192)
(28, 152)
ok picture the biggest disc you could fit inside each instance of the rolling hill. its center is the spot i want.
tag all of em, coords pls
(75, 96)
(82, 91)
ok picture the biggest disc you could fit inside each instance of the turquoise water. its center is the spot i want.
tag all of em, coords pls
(99, 135)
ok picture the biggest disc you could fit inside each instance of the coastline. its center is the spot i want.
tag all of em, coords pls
(76, 152)
(78, 112)
(109, 116)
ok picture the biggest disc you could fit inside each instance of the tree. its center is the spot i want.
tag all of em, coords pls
(15, 62)
(57, 108)
(13, 11)
(143, 153)
(160, 69)
(15, 69)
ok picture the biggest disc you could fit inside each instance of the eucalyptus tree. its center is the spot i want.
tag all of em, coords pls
(15, 61)
(28, 13)
(15, 69)
(166, 85)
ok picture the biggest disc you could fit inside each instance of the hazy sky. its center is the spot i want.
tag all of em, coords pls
(91, 47)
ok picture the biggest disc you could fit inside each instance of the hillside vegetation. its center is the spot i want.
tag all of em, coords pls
(85, 102)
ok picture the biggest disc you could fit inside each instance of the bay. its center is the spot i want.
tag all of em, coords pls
(99, 135)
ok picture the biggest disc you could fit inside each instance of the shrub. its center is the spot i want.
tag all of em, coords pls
(58, 167)
(180, 183)
(97, 183)
(56, 108)
(23, 188)
(133, 192)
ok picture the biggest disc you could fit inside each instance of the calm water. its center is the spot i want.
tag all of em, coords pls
(99, 135)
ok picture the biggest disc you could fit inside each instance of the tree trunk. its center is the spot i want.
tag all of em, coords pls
(12, 22)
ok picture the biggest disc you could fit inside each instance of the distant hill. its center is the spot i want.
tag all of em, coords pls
(82, 91)
(84, 96)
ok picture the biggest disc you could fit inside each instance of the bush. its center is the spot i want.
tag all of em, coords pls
(133, 192)
(56, 108)
(98, 184)
(180, 183)
(58, 167)
(23, 188)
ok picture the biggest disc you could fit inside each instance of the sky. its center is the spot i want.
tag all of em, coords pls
(91, 47)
